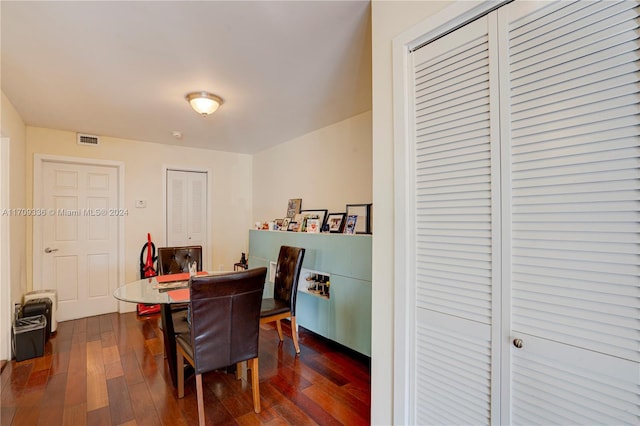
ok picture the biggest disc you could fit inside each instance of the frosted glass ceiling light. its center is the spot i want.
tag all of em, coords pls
(204, 103)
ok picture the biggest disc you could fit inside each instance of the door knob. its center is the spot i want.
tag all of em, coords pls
(518, 343)
(49, 250)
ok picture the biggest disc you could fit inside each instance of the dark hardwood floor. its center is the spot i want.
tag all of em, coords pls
(110, 370)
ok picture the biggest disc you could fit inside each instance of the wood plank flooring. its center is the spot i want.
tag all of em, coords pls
(110, 370)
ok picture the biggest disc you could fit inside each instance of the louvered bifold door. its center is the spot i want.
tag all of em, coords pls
(454, 227)
(187, 209)
(571, 100)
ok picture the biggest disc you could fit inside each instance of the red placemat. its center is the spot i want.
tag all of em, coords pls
(177, 277)
(180, 295)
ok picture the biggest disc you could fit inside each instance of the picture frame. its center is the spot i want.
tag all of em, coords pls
(293, 207)
(285, 224)
(299, 219)
(321, 214)
(336, 222)
(293, 226)
(350, 224)
(313, 226)
(363, 211)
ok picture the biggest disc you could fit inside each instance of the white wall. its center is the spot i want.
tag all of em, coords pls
(327, 168)
(230, 194)
(13, 128)
(389, 19)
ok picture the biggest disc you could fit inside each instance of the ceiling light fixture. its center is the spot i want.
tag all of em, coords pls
(204, 103)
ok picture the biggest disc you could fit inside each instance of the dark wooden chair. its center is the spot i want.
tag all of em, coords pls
(283, 303)
(175, 260)
(225, 326)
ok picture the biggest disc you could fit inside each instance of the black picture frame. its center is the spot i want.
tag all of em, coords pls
(336, 222)
(363, 211)
(321, 213)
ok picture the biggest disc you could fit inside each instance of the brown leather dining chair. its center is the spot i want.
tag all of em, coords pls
(225, 326)
(175, 260)
(283, 303)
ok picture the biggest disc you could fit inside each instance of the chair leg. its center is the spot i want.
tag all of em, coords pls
(200, 395)
(255, 384)
(180, 372)
(240, 367)
(279, 327)
(294, 334)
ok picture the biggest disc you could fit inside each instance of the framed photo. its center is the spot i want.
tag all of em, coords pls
(293, 226)
(336, 222)
(363, 211)
(313, 226)
(293, 207)
(285, 224)
(299, 219)
(315, 214)
(350, 225)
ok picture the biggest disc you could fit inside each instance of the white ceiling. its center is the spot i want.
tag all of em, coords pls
(122, 68)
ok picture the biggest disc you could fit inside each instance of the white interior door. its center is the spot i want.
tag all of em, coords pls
(187, 208)
(78, 250)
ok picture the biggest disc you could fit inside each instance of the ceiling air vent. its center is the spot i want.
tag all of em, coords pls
(88, 140)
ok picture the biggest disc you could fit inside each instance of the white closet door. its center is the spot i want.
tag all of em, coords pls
(455, 227)
(571, 83)
(186, 208)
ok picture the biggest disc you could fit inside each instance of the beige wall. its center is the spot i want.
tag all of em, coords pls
(389, 19)
(13, 127)
(230, 194)
(327, 168)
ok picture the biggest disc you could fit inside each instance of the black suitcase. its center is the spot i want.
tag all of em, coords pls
(36, 307)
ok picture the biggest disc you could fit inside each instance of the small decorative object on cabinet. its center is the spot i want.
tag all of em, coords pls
(363, 211)
(294, 226)
(336, 222)
(350, 226)
(313, 226)
(315, 214)
(293, 208)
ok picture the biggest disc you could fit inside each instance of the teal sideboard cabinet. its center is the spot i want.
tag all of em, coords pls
(345, 315)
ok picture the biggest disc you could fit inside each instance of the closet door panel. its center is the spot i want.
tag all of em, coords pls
(563, 384)
(573, 109)
(186, 208)
(454, 226)
(453, 367)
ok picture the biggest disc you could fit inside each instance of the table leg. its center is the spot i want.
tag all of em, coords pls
(169, 335)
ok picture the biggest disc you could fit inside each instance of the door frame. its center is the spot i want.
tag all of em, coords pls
(451, 18)
(39, 160)
(6, 308)
(206, 247)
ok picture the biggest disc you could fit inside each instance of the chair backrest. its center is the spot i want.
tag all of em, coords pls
(174, 260)
(225, 318)
(285, 286)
